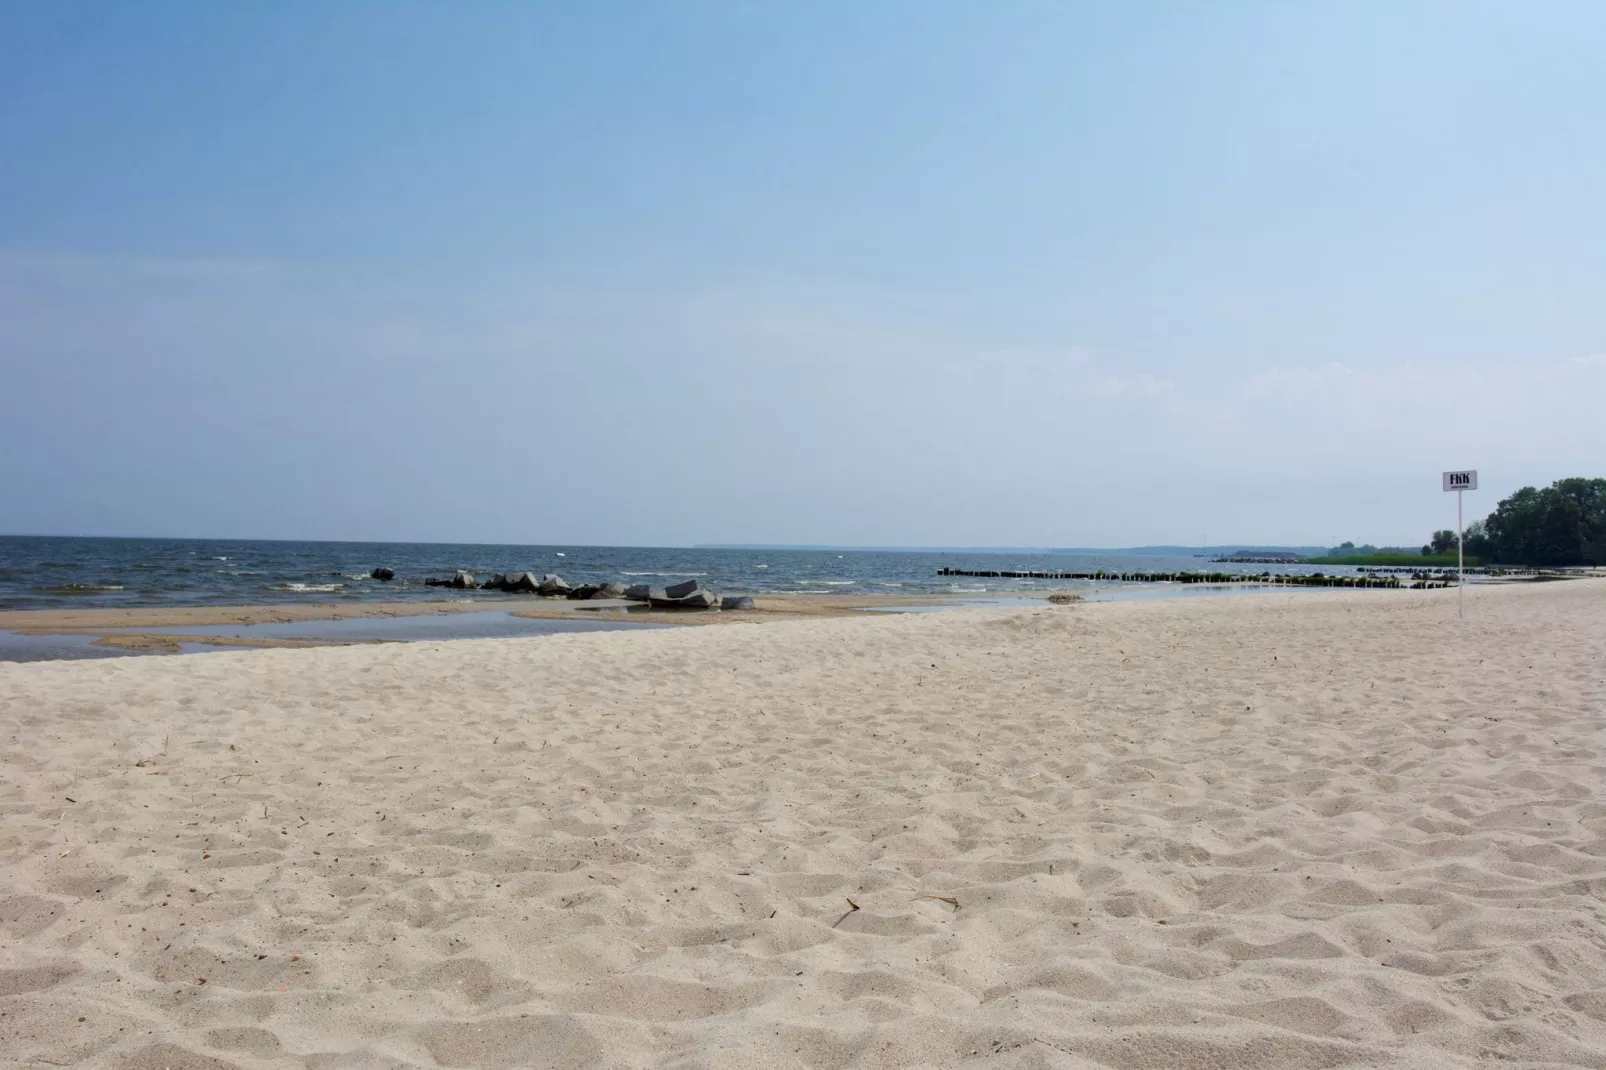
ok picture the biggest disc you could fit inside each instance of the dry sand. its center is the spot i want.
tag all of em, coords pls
(1301, 829)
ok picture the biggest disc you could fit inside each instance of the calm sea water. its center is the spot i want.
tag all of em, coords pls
(52, 573)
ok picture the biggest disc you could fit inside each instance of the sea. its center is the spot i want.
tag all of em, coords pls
(49, 572)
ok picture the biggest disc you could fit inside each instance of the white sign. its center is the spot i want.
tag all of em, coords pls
(1458, 482)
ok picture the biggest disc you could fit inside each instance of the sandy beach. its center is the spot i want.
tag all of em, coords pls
(1302, 829)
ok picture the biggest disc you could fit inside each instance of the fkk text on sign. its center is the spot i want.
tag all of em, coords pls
(1461, 480)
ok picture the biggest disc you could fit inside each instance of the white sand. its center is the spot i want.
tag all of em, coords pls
(1285, 830)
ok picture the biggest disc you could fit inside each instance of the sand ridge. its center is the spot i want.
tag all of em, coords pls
(1296, 830)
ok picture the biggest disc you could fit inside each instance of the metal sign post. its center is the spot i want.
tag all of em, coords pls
(1460, 482)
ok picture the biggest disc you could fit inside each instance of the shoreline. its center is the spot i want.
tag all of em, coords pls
(121, 628)
(178, 629)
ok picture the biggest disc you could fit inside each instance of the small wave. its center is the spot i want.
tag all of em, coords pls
(304, 587)
(80, 588)
(563, 555)
(831, 583)
(664, 573)
(219, 559)
(235, 572)
(761, 566)
(889, 583)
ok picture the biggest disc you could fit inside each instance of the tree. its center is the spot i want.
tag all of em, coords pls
(1443, 542)
(1563, 524)
(1478, 543)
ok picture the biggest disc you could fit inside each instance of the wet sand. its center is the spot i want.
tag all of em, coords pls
(120, 628)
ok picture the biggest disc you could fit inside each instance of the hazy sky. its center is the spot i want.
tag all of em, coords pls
(870, 272)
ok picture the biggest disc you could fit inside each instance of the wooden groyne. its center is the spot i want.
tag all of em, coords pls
(1315, 580)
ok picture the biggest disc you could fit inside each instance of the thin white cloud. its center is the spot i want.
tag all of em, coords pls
(1141, 385)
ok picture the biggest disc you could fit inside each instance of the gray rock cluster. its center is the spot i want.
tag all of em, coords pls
(687, 595)
(462, 581)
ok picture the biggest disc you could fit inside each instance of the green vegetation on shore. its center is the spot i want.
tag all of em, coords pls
(1560, 525)
(1407, 560)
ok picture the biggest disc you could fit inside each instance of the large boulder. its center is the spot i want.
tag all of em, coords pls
(551, 584)
(436, 581)
(512, 582)
(680, 590)
(609, 590)
(463, 580)
(585, 590)
(383, 573)
(699, 598)
(639, 593)
(737, 602)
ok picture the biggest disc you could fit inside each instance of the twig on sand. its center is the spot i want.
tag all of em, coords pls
(852, 906)
(941, 899)
(223, 778)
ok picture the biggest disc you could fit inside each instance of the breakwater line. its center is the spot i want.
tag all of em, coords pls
(1316, 580)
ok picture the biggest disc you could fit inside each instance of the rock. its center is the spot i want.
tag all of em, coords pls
(551, 584)
(737, 602)
(434, 581)
(639, 593)
(463, 580)
(680, 590)
(383, 573)
(610, 590)
(700, 598)
(585, 590)
(511, 582)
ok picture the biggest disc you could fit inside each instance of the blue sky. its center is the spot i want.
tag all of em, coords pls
(896, 273)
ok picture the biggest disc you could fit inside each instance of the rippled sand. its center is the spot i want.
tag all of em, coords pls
(1290, 830)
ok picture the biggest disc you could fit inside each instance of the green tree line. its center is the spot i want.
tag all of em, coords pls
(1562, 524)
